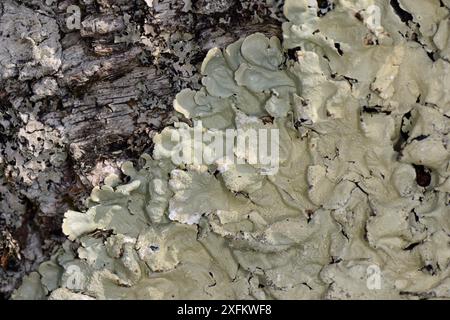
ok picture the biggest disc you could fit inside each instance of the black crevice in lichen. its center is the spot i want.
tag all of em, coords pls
(375, 110)
(359, 16)
(411, 246)
(292, 53)
(423, 175)
(309, 214)
(351, 81)
(404, 15)
(361, 189)
(429, 269)
(415, 37)
(335, 260)
(345, 234)
(431, 55)
(324, 6)
(307, 285)
(337, 45)
(403, 137)
(420, 138)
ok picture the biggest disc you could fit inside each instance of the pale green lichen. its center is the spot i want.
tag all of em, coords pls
(345, 201)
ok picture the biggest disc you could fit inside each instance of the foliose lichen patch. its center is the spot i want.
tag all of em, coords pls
(359, 207)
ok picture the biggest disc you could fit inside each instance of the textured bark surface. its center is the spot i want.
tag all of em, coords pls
(75, 104)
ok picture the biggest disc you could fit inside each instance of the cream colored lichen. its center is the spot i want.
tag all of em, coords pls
(344, 203)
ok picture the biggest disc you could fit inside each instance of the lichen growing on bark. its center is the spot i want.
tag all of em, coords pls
(362, 184)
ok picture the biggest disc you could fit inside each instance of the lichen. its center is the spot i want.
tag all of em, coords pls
(363, 181)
